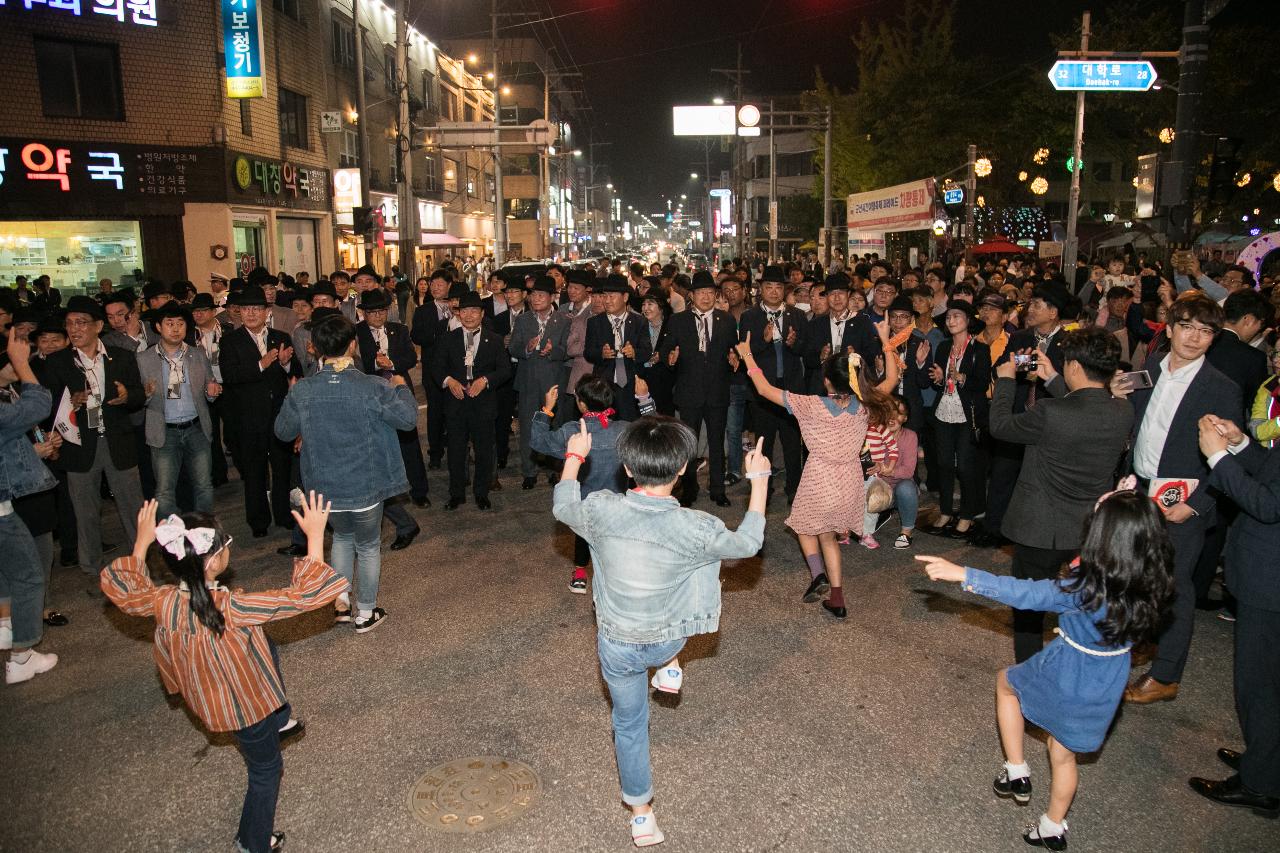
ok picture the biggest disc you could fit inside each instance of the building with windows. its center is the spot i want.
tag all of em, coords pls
(795, 183)
(127, 156)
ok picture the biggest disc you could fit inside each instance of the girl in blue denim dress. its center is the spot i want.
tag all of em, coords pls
(1114, 595)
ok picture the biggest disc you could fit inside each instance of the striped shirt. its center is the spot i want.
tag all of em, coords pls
(882, 446)
(230, 682)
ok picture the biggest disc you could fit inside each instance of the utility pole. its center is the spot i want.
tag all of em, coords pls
(408, 219)
(362, 116)
(1193, 62)
(499, 206)
(826, 188)
(1077, 166)
(738, 180)
(773, 190)
(970, 190)
(544, 175)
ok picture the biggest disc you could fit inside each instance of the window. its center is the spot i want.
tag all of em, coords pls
(393, 163)
(431, 172)
(473, 182)
(449, 103)
(289, 7)
(450, 175)
(430, 97)
(349, 156)
(1102, 173)
(293, 119)
(344, 44)
(490, 188)
(389, 72)
(246, 117)
(473, 111)
(79, 79)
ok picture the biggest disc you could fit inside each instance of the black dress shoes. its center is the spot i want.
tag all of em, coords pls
(819, 587)
(292, 551)
(1233, 792)
(721, 500)
(422, 501)
(838, 612)
(258, 534)
(483, 503)
(732, 479)
(454, 503)
(1229, 757)
(528, 483)
(406, 540)
(944, 530)
(434, 464)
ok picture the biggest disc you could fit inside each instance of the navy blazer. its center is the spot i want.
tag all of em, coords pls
(492, 362)
(1250, 479)
(255, 395)
(1242, 364)
(635, 331)
(399, 349)
(701, 378)
(1210, 393)
(975, 364)
(1026, 339)
(753, 322)
(859, 333)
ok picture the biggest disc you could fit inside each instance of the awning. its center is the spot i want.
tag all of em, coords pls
(433, 239)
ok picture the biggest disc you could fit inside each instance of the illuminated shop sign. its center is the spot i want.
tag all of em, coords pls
(42, 169)
(242, 44)
(142, 12)
(275, 183)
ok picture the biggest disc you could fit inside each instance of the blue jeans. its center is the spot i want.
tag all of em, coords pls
(625, 667)
(260, 748)
(22, 581)
(906, 497)
(183, 448)
(357, 537)
(733, 428)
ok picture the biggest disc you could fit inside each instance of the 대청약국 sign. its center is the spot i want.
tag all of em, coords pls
(242, 44)
(272, 183)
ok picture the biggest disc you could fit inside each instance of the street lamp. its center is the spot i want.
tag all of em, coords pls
(693, 176)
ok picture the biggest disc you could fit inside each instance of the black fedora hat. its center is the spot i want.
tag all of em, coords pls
(774, 273)
(470, 300)
(375, 300)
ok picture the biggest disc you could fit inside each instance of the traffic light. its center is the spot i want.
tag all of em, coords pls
(362, 221)
(1223, 169)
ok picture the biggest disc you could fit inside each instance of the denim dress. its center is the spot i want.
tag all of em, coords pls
(1072, 687)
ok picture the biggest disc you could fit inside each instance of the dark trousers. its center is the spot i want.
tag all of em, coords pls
(395, 511)
(470, 421)
(1257, 677)
(1035, 564)
(715, 417)
(929, 444)
(773, 421)
(506, 395)
(414, 467)
(264, 461)
(217, 453)
(436, 417)
(1171, 655)
(581, 552)
(958, 459)
(1003, 463)
(146, 474)
(1215, 539)
(260, 748)
(66, 526)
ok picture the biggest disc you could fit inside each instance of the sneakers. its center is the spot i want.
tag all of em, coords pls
(667, 679)
(818, 587)
(644, 830)
(869, 542)
(6, 636)
(578, 585)
(35, 664)
(1036, 838)
(341, 613)
(364, 626)
(903, 541)
(291, 729)
(1019, 789)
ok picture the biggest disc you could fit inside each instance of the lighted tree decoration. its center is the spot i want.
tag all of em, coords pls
(1039, 186)
(982, 167)
(1041, 156)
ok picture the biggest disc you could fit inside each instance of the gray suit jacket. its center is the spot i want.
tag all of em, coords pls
(153, 369)
(537, 372)
(1074, 446)
(283, 319)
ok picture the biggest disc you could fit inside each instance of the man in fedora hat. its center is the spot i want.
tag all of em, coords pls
(210, 329)
(618, 345)
(103, 388)
(469, 363)
(257, 364)
(539, 343)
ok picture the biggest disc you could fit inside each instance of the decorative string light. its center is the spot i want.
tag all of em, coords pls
(1039, 186)
(1022, 176)
(1275, 182)
(1016, 223)
(1167, 135)
(1041, 156)
(981, 201)
(982, 167)
(1243, 180)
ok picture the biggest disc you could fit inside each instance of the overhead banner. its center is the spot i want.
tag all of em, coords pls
(906, 207)
(242, 44)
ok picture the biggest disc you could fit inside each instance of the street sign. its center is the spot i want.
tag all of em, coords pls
(953, 196)
(1082, 75)
(331, 121)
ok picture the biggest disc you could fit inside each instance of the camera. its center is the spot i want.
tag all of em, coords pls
(1024, 362)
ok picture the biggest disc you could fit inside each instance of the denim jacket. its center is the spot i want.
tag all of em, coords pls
(348, 422)
(21, 471)
(657, 564)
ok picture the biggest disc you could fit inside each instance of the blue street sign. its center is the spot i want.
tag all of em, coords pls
(1071, 75)
(953, 196)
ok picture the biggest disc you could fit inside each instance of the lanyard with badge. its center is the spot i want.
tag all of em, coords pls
(93, 398)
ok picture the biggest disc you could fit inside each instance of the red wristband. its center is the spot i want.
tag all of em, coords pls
(755, 371)
(581, 459)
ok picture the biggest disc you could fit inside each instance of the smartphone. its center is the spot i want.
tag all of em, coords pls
(1024, 361)
(1134, 380)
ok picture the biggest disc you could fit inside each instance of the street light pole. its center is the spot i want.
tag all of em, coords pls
(773, 190)
(826, 189)
(970, 191)
(499, 213)
(1192, 67)
(407, 225)
(1077, 166)
(362, 138)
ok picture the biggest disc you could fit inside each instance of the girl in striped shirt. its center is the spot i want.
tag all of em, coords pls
(210, 646)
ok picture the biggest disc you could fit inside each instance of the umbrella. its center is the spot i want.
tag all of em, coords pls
(998, 247)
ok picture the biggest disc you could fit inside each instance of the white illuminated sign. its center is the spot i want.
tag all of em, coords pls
(703, 121)
(142, 12)
(346, 193)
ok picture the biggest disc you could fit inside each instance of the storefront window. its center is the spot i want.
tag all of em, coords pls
(249, 247)
(74, 254)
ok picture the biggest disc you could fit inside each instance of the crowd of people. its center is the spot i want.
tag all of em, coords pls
(1013, 398)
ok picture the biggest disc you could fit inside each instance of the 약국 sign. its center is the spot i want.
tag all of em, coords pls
(242, 43)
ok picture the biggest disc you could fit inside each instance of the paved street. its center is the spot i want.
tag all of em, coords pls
(793, 733)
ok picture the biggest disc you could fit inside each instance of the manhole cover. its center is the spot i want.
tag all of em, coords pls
(474, 794)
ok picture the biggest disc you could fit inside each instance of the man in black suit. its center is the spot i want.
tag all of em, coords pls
(837, 331)
(618, 346)
(777, 343)
(1166, 447)
(430, 322)
(104, 389)
(699, 347)
(385, 349)
(513, 296)
(1250, 476)
(257, 365)
(1073, 446)
(468, 364)
(209, 332)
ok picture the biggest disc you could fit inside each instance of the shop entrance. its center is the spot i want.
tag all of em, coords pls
(249, 246)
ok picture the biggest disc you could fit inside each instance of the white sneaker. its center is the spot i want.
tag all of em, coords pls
(34, 665)
(644, 830)
(6, 637)
(667, 679)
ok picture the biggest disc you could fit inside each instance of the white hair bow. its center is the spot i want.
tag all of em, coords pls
(1126, 484)
(173, 536)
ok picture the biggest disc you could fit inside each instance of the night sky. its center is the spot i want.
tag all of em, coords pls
(641, 57)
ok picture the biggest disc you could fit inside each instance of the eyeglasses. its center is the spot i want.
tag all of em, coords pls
(77, 323)
(1199, 331)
